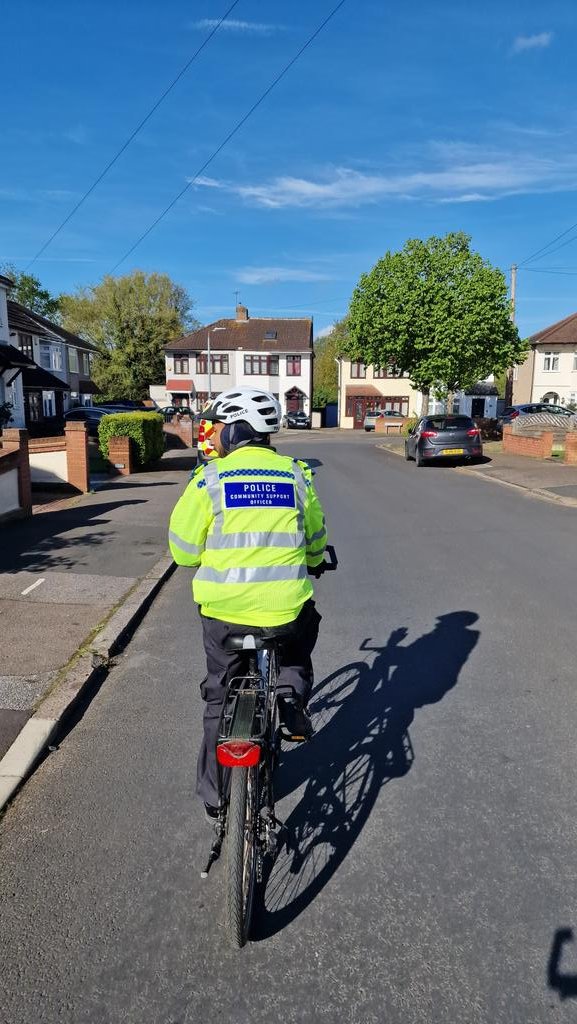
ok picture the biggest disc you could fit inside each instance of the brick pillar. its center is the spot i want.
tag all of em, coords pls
(16, 440)
(571, 447)
(77, 456)
(507, 438)
(120, 455)
(546, 444)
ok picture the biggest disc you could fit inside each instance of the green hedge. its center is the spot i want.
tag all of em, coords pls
(145, 428)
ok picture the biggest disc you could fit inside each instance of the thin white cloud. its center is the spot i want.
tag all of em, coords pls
(255, 28)
(77, 135)
(277, 275)
(461, 173)
(324, 331)
(540, 41)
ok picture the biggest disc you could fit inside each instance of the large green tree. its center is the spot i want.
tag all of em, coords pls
(29, 292)
(438, 311)
(129, 319)
(326, 373)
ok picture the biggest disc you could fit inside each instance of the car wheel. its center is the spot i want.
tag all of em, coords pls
(407, 456)
(419, 460)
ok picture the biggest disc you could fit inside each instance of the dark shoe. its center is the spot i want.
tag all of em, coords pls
(295, 719)
(211, 813)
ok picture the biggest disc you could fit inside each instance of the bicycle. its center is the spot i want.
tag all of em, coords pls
(247, 752)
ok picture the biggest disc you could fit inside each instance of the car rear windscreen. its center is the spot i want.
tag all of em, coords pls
(450, 423)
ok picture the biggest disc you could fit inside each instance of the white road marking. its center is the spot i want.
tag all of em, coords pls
(33, 586)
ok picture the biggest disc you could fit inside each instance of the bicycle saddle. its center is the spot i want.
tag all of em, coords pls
(258, 641)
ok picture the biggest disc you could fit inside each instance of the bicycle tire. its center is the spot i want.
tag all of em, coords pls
(241, 852)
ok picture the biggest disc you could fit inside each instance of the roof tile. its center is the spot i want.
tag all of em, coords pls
(291, 336)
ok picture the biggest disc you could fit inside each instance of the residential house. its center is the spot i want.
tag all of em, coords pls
(363, 388)
(60, 378)
(549, 373)
(274, 354)
(12, 362)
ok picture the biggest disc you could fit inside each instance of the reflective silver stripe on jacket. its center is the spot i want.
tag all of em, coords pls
(262, 574)
(218, 541)
(191, 549)
(316, 536)
(213, 487)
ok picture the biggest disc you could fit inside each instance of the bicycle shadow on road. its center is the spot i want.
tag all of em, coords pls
(362, 714)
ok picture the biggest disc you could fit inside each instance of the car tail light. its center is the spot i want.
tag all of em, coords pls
(429, 433)
(513, 415)
(474, 432)
(238, 753)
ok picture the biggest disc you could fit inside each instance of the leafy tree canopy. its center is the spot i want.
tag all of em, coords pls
(29, 292)
(326, 374)
(438, 311)
(129, 319)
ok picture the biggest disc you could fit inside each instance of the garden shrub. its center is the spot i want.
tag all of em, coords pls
(408, 425)
(146, 429)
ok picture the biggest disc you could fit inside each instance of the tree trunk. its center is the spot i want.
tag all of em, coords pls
(425, 401)
(449, 402)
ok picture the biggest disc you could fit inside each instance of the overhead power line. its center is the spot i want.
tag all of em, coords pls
(230, 135)
(132, 136)
(538, 252)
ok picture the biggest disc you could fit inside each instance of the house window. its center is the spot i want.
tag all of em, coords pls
(45, 355)
(387, 371)
(25, 345)
(293, 366)
(261, 366)
(575, 360)
(550, 361)
(358, 370)
(72, 360)
(515, 372)
(181, 364)
(57, 358)
(270, 335)
(85, 364)
(218, 363)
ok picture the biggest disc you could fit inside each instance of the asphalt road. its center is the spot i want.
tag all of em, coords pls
(432, 873)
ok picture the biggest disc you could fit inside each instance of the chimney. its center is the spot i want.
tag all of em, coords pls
(241, 313)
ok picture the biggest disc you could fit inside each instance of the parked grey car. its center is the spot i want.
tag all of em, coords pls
(443, 437)
(373, 415)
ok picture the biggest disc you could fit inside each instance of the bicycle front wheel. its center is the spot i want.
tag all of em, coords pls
(241, 849)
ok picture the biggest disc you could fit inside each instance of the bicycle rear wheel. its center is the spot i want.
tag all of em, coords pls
(241, 852)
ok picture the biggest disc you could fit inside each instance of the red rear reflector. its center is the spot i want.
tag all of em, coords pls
(429, 433)
(473, 433)
(238, 754)
(514, 414)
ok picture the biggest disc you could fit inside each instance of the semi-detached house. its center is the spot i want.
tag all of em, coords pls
(272, 354)
(549, 373)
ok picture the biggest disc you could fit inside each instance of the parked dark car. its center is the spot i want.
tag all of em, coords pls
(173, 410)
(297, 420)
(89, 414)
(443, 437)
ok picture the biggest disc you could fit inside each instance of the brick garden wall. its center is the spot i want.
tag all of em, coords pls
(537, 445)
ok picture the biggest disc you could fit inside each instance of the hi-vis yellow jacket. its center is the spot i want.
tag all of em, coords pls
(252, 522)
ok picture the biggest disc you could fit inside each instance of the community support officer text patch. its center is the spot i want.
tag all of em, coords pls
(247, 495)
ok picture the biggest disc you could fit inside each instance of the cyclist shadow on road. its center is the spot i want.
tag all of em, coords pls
(362, 714)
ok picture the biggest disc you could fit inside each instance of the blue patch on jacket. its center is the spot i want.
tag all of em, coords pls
(263, 494)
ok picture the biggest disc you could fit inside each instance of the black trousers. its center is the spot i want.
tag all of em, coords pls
(295, 677)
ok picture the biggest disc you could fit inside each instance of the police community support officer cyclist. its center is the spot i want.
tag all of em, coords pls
(253, 523)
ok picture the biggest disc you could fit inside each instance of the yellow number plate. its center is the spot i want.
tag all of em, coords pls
(453, 451)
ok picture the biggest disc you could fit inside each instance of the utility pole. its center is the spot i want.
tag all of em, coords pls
(509, 381)
(513, 290)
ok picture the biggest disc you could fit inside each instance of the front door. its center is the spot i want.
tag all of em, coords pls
(478, 407)
(358, 413)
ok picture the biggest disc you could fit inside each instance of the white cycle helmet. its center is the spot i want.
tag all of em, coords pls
(259, 408)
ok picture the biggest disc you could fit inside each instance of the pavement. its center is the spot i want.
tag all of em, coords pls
(430, 874)
(549, 479)
(63, 573)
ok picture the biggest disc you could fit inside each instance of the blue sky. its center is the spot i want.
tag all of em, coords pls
(399, 121)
